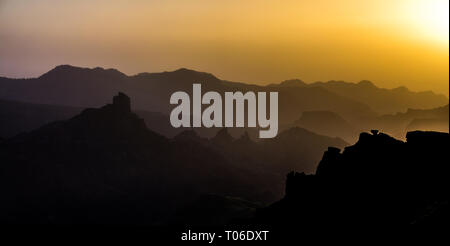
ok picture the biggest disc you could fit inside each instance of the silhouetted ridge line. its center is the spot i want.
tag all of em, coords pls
(86, 87)
(379, 182)
(104, 166)
(222, 137)
(112, 122)
(61, 71)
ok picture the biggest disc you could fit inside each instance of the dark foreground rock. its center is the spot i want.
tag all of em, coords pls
(378, 183)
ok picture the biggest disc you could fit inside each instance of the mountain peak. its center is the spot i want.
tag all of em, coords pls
(122, 102)
(244, 139)
(193, 73)
(182, 74)
(63, 68)
(61, 71)
(290, 83)
(366, 83)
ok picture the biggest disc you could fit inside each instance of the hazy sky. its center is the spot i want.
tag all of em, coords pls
(390, 42)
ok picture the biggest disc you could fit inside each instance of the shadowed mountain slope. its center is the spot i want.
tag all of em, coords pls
(83, 87)
(214, 210)
(104, 166)
(327, 123)
(293, 149)
(17, 117)
(379, 183)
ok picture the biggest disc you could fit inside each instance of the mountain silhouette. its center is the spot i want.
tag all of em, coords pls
(384, 101)
(82, 87)
(379, 183)
(104, 166)
(435, 119)
(19, 117)
(435, 124)
(111, 123)
(292, 149)
(76, 87)
(327, 123)
(290, 83)
(215, 210)
(295, 146)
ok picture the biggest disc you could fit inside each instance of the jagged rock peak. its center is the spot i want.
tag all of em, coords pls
(375, 135)
(418, 137)
(122, 102)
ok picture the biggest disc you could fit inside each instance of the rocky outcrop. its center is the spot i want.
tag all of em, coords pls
(380, 182)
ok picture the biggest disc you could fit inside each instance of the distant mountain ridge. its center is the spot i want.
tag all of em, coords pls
(379, 99)
(329, 124)
(85, 87)
(435, 119)
(380, 183)
(105, 166)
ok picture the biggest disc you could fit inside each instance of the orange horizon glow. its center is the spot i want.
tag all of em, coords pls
(392, 43)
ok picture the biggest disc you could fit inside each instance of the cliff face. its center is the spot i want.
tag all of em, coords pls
(378, 182)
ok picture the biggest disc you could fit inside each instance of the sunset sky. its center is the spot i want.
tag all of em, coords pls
(390, 42)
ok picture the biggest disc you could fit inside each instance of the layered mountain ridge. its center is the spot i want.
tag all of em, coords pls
(84, 87)
(105, 166)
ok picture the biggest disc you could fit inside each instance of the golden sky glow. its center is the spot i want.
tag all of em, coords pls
(390, 42)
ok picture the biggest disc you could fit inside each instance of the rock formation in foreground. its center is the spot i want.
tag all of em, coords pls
(378, 183)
